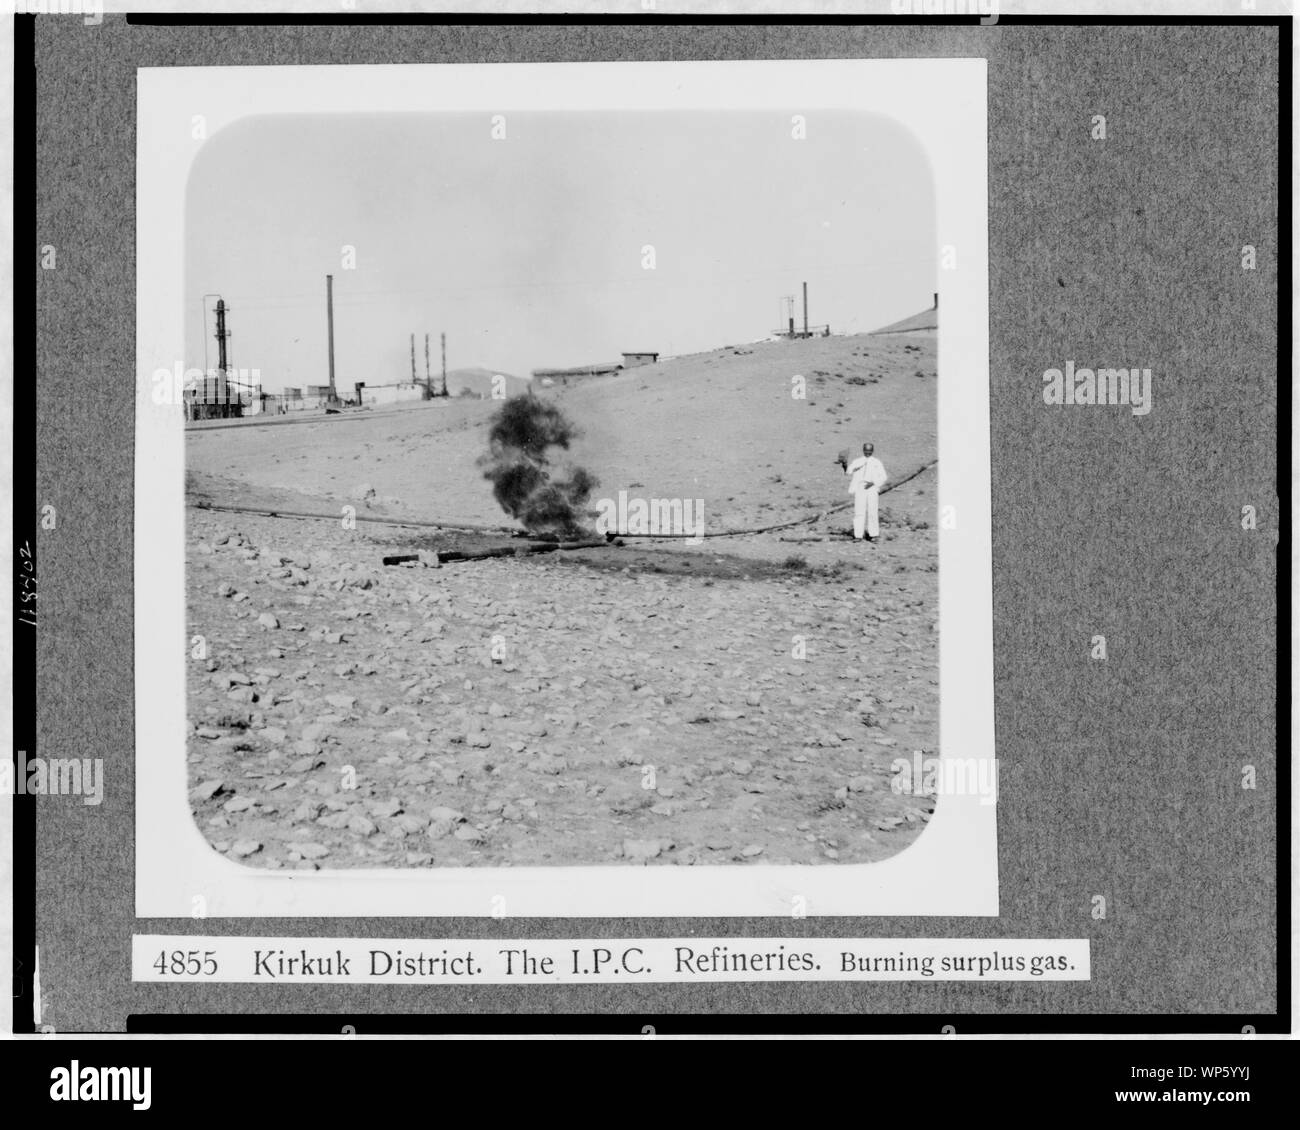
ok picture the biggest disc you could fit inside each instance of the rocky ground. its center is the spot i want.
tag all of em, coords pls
(737, 701)
(607, 706)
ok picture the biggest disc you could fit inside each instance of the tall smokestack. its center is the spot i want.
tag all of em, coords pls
(936, 300)
(805, 309)
(221, 356)
(329, 317)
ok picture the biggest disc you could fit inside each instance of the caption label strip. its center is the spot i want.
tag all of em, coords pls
(423, 961)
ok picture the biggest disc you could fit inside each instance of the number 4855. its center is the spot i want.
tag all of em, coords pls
(182, 962)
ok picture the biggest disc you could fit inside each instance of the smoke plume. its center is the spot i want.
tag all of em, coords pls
(549, 501)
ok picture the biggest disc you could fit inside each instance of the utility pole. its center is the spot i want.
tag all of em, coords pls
(805, 309)
(329, 319)
(444, 364)
(428, 383)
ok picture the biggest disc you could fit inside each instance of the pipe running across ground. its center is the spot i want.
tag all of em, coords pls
(414, 523)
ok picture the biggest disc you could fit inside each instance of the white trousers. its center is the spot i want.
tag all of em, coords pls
(866, 513)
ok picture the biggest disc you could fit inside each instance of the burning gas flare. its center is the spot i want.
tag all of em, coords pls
(549, 501)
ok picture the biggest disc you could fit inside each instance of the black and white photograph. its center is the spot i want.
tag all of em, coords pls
(562, 489)
(727, 649)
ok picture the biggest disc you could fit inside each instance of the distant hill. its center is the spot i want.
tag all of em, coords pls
(927, 321)
(479, 380)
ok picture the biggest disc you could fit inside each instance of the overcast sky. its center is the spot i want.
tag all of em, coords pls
(528, 251)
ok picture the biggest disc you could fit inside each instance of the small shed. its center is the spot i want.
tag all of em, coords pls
(632, 360)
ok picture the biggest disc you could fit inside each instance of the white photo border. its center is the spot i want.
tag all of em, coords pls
(950, 870)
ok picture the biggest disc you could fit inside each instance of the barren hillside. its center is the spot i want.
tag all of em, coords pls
(720, 426)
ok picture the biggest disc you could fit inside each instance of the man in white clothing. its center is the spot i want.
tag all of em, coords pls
(866, 477)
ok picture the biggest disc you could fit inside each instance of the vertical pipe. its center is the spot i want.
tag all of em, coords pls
(805, 309)
(221, 334)
(329, 317)
(444, 364)
(221, 357)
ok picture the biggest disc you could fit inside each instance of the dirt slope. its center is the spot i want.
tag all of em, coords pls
(720, 426)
